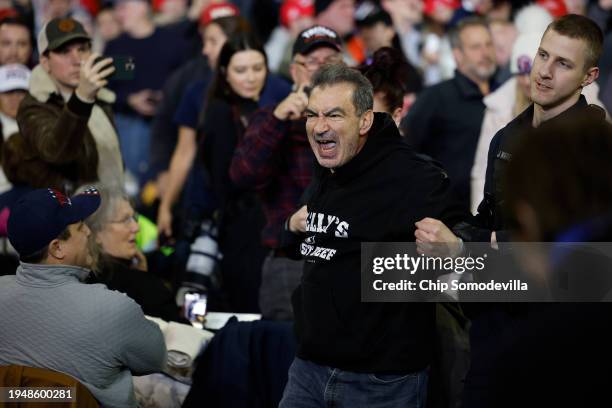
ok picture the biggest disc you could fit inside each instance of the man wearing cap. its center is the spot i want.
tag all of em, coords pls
(66, 130)
(51, 319)
(275, 159)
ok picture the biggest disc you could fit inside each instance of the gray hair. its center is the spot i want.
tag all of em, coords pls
(455, 34)
(363, 93)
(110, 197)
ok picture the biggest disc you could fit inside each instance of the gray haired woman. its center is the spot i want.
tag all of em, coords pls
(120, 264)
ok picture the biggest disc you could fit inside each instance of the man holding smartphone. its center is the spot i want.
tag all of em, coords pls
(67, 137)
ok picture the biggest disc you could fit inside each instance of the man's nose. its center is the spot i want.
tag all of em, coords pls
(320, 125)
(545, 69)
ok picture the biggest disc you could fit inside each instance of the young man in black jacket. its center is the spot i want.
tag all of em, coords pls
(369, 186)
(565, 63)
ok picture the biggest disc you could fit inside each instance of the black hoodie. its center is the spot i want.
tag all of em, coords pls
(377, 196)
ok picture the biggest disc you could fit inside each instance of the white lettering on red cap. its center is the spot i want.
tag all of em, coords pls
(222, 12)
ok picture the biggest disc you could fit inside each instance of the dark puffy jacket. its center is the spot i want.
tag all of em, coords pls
(55, 146)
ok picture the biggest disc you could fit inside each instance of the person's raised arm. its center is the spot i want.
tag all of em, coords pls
(255, 161)
(58, 139)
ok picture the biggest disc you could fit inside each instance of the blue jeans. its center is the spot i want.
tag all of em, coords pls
(312, 385)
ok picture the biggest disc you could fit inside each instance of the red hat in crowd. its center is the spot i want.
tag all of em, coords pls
(7, 12)
(218, 10)
(292, 10)
(556, 8)
(429, 6)
(157, 5)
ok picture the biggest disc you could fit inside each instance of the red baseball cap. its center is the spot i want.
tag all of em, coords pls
(556, 8)
(430, 6)
(218, 10)
(8, 12)
(293, 9)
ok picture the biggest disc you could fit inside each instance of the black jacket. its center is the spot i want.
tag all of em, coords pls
(146, 289)
(222, 129)
(445, 123)
(490, 216)
(503, 337)
(377, 196)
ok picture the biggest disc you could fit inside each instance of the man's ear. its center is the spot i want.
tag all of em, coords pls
(389, 33)
(458, 56)
(365, 123)
(56, 249)
(44, 62)
(591, 75)
(293, 72)
(397, 116)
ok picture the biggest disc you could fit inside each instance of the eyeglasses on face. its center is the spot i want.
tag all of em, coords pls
(127, 220)
(313, 64)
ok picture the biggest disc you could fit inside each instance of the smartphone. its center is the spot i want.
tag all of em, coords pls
(125, 67)
(195, 306)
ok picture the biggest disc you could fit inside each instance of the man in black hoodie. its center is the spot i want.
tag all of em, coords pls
(369, 186)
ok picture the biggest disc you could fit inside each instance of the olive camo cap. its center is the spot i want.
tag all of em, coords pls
(58, 32)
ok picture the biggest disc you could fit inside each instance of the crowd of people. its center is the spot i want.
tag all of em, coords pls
(246, 150)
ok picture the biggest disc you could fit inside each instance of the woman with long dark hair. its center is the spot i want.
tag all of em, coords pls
(234, 95)
(215, 32)
(220, 22)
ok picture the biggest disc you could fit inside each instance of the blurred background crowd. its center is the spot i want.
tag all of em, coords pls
(196, 138)
(207, 155)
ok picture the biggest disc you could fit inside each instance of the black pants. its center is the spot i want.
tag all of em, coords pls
(243, 256)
